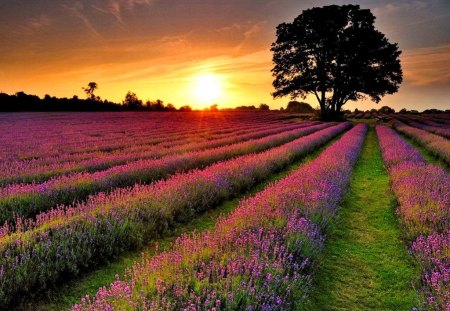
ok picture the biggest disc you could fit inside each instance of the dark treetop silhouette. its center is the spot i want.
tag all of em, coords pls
(90, 89)
(336, 54)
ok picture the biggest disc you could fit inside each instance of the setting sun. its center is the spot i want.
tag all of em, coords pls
(208, 88)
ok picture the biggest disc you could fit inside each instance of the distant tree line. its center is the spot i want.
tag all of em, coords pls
(261, 107)
(25, 102)
(389, 110)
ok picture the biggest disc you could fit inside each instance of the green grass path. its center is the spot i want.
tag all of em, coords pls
(365, 264)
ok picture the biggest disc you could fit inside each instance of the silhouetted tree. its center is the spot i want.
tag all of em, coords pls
(299, 107)
(24, 102)
(386, 109)
(185, 108)
(245, 108)
(336, 54)
(170, 107)
(157, 105)
(264, 107)
(214, 107)
(433, 110)
(132, 101)
(90, 89)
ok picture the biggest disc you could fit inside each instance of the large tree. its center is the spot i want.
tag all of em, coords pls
(335, 54)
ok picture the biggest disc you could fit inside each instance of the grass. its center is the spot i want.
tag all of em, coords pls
(365, 264)
(71, 292)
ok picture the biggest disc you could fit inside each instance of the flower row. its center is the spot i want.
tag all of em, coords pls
(423, 193)
(439, 130)
(436, 144)
(76, 149)
(258, 258)
(34, 172)
(55, 135)
(27, 200)
(66, 241)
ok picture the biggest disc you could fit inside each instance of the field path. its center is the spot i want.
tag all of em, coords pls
(366, 265)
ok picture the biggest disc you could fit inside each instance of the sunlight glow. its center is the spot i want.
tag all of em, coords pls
(207, 88)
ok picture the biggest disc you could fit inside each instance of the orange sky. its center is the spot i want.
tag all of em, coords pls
(158, 49)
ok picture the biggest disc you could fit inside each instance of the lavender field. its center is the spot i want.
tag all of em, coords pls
(220, 155)
(82, 191)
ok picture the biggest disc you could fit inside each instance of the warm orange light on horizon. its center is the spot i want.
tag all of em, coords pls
(208, 88)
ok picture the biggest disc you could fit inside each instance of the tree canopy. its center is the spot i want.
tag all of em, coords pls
(335, 54)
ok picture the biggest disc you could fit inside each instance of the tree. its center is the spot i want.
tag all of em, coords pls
(335, 54)
(132, 101)
(264, 107)
(299, 107)
(185, 108)
(157, 105)
(386, 109)
(214, 107)
(89, 90)
(170, 107)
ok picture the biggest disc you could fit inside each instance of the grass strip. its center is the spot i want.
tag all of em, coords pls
(365, 264)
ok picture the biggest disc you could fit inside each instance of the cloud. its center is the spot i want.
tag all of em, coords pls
(247, 30)
(77, 9)
(33, 25)
(404, 5)
(117, 7)
(427, 66)
(247, 34)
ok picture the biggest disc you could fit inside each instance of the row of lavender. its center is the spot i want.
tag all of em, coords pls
(437, 145)
(45, 168)
(131, 143)
(423, 193)
(27, 200)
(67, 240)
(59, 134)
(438, 129)
(439, 126)
(258, 258)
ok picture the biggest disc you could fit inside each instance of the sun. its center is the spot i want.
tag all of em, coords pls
(208, 88)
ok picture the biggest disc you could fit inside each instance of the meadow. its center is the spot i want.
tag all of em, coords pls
(224, 210)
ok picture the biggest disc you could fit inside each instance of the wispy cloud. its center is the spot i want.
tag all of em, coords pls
(246, 32)
(403, 5)
(117, 7)
(33, 25)
(77, 9)
(427, 66)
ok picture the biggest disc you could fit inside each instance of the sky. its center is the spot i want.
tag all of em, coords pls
(164, 49)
